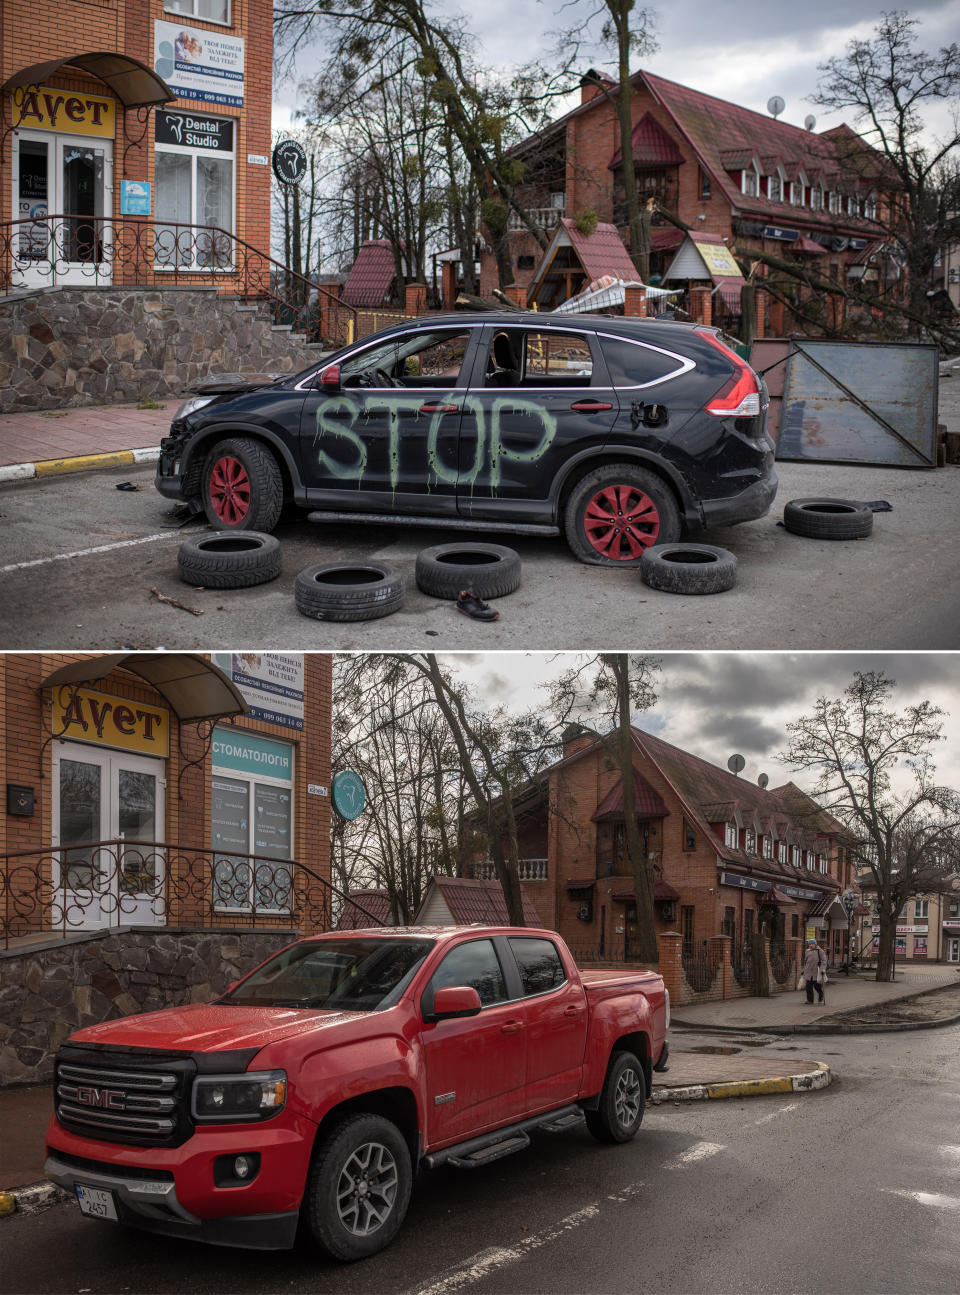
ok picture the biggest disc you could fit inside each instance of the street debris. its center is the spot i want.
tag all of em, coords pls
(162, 598)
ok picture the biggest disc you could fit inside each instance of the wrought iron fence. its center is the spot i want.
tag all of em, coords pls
(782, 964)
(741, 960)
(699, 967)
(110, 883)
(103, 251)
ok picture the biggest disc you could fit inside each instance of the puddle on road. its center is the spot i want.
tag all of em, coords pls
(715, 1050)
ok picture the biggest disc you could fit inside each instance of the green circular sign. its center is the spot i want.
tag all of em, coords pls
(349, 794)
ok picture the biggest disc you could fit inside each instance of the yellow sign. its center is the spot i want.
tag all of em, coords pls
(87, 716)
(49, 108)
(718, 259)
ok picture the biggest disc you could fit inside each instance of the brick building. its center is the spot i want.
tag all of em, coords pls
(160, 790)
(736, 178)
(119, 113)
(730, 855)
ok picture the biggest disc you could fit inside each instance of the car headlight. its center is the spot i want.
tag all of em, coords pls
(192, 405)
(231, 1098)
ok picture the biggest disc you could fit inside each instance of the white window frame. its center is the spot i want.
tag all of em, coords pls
(181, 13)
(250, 780)
(796, 855)
(750, 170)
(870, 207)
(853, 205)
(781, 852)
(796, 192)
(195, 153)
(777, 179)
(921, 909)
(750, 841)
(816, 197)
(834, 202)
(767, 846)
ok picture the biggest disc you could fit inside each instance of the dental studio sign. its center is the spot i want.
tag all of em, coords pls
(50, 108)
(238, 752)
(83, 715)
(190, 130)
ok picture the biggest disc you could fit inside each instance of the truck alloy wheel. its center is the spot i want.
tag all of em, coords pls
(348, 591)
(359, 1187)
(689, 568)
(615, 513)
(242, 486)
(226, 561)
(828, 519)
(619, 1112)
(489, 570)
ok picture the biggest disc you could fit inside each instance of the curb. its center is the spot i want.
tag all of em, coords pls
(78, 463)
(31, 1200)
(805, 1083)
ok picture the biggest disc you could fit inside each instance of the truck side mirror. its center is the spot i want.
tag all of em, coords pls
(454, 1001)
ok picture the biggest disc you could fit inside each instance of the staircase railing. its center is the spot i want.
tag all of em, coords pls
(136, 252)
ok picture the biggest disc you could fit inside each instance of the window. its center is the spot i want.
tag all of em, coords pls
(955, 907)
(750, 844)
(208, 10)
(870, 207)
(823, 862)
(251, 822)
(689, 837)
(556, 355)
(686, 928)
(796, 193)
(816, 198)
(920, 909)
(920, 946)
(631, 364)
(781, 852)
(729, 921)
(541, 968)
(774, 188)
(428, 359)
(731, 835)
(194, 171)
(768, 847)
(853, 205)
(794, 925)
(795, 856)
(474, 964)
(704, 186)
(356, 975)
(747, 925)
(833, 202)
(749, 182)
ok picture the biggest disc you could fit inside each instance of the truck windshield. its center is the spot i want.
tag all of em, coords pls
(362, 975)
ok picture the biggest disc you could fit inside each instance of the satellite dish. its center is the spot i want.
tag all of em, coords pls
(775, 106)
(736, 763)
(763, 779)
(809, 122)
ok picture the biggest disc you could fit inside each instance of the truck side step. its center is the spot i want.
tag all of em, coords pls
(565, 1122)
(432, 520)
(496, 1151)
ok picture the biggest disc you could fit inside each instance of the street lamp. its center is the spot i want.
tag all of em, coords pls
(849, 901)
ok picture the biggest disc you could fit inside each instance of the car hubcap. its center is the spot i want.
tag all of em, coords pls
(627, 1098)
(621, 522)
(367, 1189)
(230, 490)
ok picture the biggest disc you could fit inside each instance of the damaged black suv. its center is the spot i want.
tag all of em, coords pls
(619, 432)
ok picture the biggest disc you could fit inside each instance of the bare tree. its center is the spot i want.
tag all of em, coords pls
(876, 776)
(610, 687)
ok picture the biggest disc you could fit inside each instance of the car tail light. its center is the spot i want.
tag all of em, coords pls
(739, 397)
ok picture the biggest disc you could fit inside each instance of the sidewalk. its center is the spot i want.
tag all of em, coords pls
(53, 441)
(789, 1013)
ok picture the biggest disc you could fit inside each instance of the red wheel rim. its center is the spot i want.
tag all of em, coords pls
(621, 522)
(229, 491)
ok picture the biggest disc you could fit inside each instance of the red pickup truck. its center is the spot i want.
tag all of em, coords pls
(315, 1087)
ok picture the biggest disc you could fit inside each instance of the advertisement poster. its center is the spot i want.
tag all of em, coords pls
(271, 683)
(199, 64)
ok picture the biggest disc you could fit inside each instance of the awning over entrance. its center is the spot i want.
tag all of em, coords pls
(775, 896)
(134, 84)
(193, 687)
(662, 890)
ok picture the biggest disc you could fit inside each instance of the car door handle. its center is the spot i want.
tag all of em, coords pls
(511, 1027)
(591, 406)
(439, 409)
(573, 1011)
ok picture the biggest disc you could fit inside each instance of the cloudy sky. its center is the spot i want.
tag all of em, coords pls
(716, 704)
(742, 50)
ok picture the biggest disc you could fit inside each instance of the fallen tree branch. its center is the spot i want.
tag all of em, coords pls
(162, 598)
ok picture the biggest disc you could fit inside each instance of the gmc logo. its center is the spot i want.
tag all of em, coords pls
(107, 1099)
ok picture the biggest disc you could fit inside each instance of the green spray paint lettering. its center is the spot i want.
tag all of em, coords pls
(498, 451)
(336, 428)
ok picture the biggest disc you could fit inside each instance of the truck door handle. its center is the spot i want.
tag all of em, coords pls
(439, 409)
(572, 1011)
(591, 406)
(511, 1027)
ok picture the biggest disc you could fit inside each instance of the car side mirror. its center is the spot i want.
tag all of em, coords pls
(454, 1001)
(328, 380)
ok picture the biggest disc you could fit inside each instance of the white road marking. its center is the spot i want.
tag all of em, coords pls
(699, 1151)
(83, 553)
(926, 1198)
(765, 1119)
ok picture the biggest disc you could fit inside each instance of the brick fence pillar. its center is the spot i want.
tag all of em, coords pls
(668, 946)
(701, 305)
(760, 300)
(720, 955)
(448, 284)
(415, 299)
(517, 295)
(774, 312)
(635, 301)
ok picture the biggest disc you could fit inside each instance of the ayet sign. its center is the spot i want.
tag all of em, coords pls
(52, 108)
(88, 716)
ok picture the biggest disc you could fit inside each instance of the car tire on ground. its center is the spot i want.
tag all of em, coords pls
(358, 1188)
(619, 1111)
(242, 486)
(618, 511)
(348, 591)
(689, 568)
(229, 561)
(828, 519)
(489, 570)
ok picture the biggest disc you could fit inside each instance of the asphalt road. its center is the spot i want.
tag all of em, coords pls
(80, 558)
(854, 1189)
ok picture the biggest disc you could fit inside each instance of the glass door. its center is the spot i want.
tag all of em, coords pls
(84, 237)
(32, 191)
(116, 799)
(953, 950)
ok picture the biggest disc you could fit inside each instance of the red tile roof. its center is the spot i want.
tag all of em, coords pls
(665, 240)
(649, 803)
(652, 146)
(376, 903)
(601, 252)
(368, 283)
(481, 901)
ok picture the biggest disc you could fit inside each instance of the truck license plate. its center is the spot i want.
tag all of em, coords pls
(96, 1202)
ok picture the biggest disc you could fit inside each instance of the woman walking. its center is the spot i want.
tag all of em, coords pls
(813, 960)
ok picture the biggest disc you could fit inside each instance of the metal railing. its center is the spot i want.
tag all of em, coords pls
(782, 964)
(741, 960)
(699, 967)
(534, 869)
(97, 885)
(100, 251)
